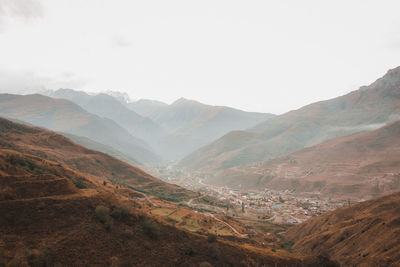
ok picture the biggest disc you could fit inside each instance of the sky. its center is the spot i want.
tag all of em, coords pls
(265, 56)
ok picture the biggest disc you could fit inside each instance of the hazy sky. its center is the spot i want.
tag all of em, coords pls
(269, 56)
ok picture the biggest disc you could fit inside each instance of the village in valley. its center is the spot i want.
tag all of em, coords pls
(280, 207)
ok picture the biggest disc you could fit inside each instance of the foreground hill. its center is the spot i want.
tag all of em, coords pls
(368, 108)
(55, 147)
(56, 211)
(64, 116)
(191, 124)
(364, 234)
(358, 166)
(107, 106)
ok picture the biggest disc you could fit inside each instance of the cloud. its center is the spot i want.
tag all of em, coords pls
(20, 9)
(23, 82)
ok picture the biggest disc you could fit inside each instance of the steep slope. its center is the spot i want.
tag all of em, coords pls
(55, 212)
(65, 116)
(107, 106)
(358, 166)
(146, 107)
(86, 142)
(364, 234)
(191, 124)
(365, 109)
(55, 147)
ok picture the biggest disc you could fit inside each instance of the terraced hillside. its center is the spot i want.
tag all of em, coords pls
(364, 234)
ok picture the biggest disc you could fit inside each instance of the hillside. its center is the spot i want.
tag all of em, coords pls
(64, 116)
(358, 166)
(368, 108)
(55, 147)
(191, 124)
(107, 106)
(364, 234)
(86, 142)
(56, 211)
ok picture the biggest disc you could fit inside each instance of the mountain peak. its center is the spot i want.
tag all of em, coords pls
(183, 101)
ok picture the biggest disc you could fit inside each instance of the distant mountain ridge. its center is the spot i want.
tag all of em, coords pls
(64, 116)
(173, 131)
(368, 108)
(107, 106)
(191, 124)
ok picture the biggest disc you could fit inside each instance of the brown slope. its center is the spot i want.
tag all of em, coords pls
(364, 234)
(64, 116)
(46, 220)
(365, 109)
(55, 147)
(359, 166)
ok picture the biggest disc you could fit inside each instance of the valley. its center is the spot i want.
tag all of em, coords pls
(131, 190)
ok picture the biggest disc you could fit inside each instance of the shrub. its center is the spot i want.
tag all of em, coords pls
(102, 214)
(151, 228)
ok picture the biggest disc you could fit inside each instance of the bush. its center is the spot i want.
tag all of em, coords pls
(151, 229)
(102, 213)
(211, 238)
(120, 213)
(79, 184)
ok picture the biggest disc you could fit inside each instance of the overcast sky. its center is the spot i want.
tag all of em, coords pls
(268, 56)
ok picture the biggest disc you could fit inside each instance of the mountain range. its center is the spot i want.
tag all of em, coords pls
(368, 108)
(172, 131)
(107, 106)
(191, 124)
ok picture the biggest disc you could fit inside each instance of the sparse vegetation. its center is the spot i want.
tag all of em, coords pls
(26, 163)
(79, 184)
(286, 245)
(119, 213)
